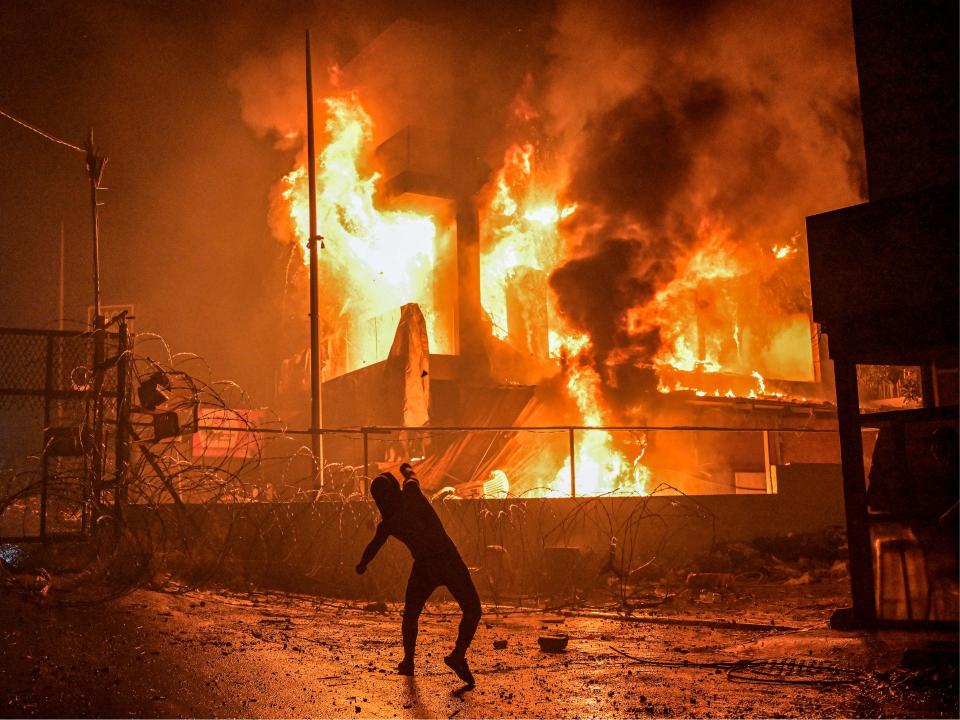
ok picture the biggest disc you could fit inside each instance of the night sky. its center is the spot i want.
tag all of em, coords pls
(183, 229)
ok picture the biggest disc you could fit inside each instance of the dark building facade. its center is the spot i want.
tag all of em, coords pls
(884, 279)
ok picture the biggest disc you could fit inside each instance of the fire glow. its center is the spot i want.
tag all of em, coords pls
(382, 259)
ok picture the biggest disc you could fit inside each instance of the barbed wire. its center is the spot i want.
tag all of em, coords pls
(241, 510)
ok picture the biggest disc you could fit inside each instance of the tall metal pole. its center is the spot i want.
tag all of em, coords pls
(95, 164)
(316, 418)
(60, 309)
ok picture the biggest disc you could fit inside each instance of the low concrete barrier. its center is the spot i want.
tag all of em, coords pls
(516, 544)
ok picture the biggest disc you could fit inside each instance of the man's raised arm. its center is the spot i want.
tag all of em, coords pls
(383, 532)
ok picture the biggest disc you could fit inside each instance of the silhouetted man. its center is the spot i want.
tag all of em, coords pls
(408, 516)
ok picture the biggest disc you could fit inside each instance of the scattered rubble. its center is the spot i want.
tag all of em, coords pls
(326, 659)
(553, 643)
(782, 558)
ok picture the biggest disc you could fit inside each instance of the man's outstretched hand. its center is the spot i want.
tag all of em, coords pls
(361, 568)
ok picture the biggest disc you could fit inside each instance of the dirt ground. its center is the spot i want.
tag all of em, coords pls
(217, 653)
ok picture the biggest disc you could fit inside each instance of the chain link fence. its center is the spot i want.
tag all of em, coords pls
(58, 393)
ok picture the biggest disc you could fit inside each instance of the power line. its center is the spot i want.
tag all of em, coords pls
(40, 132)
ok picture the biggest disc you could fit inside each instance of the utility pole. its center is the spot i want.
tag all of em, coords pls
(95, 164)
(62, 268)
(316, 388)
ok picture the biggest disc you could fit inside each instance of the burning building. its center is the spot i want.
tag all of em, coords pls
(507, 259)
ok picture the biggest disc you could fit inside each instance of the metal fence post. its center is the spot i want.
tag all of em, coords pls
(98, 356)
(573, 464)
(366, 463)
(122, 448)
(44, 472)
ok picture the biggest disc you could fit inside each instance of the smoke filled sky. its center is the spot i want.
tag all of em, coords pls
(744, 109)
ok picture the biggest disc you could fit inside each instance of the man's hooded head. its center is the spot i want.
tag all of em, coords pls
(386, 494)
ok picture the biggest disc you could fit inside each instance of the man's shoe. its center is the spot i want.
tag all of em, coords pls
(405, 667)
(459, 665)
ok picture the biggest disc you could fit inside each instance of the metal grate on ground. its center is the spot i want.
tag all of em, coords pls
(797, 671)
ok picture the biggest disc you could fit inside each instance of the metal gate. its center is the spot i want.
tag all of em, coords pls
(62, 452)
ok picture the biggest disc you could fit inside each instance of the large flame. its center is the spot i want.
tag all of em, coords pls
(599, 468)
(376, 260)
(710, 321)
(685, 345)
(521, 234)
(706, 320)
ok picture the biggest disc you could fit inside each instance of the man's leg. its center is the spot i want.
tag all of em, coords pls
(461, 586)
(419, 587)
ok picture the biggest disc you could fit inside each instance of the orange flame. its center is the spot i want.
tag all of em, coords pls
(521, 229)
(599, 467)
(377, 259)
(709, 324)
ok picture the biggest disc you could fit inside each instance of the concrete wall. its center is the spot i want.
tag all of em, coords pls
(314, 547)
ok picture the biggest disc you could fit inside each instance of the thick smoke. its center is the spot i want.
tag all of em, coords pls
(676, 114)
(639, 155)
(616, 275)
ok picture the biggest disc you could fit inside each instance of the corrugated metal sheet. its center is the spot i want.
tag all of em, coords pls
(472, 456)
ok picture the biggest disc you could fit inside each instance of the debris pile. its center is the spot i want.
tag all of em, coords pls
(795, 559)
(925, 681)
